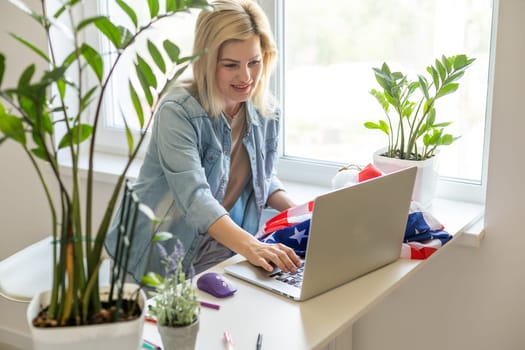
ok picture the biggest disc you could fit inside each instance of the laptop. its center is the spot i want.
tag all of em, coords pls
(353, 231)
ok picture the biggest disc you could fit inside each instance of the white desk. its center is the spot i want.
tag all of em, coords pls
(324, 322)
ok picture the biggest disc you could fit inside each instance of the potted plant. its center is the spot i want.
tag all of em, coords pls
(51, 114)
(174, 303)
(413, 131)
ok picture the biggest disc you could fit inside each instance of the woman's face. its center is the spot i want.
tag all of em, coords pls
(238, 71)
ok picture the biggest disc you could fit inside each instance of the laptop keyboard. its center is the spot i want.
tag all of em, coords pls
(293, 279)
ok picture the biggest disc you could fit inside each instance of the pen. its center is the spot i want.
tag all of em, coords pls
(259, 342)
(209, 305)
(149, 345)
(228, 339)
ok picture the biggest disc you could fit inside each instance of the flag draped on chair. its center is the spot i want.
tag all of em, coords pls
(424, 234)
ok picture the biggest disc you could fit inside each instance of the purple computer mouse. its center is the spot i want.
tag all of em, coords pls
(216, 284)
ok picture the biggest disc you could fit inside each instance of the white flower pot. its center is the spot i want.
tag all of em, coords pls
(426, 178)
(119, 335)
(179, 338)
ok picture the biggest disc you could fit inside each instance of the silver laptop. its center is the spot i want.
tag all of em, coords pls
(353, 231)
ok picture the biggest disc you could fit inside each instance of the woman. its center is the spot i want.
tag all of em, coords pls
(213, 149)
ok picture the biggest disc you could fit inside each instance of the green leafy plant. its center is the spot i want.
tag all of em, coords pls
(411, 125)
(175, 301)
(34, 112)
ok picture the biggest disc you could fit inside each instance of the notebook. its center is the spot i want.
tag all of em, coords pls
(353, 231)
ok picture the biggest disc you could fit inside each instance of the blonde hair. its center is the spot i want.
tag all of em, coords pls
(230, 20)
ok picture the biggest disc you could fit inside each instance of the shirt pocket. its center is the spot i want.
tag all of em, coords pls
(211, 161)
(270, 155)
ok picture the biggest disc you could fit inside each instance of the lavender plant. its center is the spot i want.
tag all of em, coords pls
(175, 301)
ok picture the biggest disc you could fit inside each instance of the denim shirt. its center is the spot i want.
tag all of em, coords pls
(185, 173)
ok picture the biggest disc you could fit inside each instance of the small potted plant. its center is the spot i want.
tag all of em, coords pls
(413, 131)
(174, 303)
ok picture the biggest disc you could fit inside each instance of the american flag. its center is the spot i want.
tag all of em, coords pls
(424, 234)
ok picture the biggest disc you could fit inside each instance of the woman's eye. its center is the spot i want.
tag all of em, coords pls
(254, 63)
(230, 65)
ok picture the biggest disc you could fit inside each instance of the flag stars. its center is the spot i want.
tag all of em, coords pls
(298, 235)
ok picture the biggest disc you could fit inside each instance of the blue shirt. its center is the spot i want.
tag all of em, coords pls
(185, 173)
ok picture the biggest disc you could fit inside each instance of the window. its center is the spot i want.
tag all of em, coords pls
(328, 51)
(325, 74)
(179, 29)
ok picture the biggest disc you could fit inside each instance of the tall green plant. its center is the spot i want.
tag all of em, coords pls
(411, 127)
(33, 112)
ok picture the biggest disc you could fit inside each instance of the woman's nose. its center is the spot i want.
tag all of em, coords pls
(244, 74)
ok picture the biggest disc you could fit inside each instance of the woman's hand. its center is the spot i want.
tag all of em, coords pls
(268, 255)
(256, 252)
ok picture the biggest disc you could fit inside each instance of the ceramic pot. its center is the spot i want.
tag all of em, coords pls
(426, 178)
(119, 335)
(179, 338)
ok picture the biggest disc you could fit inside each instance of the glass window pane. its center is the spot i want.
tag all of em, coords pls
(330, 50)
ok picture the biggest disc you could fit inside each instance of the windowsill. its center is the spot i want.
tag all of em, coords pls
(464, 220)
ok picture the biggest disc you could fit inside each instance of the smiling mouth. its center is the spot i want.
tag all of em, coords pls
(241, 87)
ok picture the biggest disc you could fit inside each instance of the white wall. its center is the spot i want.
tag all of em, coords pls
(468, 299)
(23, 215)
(473, 298)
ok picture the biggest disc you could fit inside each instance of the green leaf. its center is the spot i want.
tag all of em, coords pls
(179, 72)
(441, 70)
(145, 86)
(94, 60)
(26, 76)
(380, 97)
(442, 125)
(383, 126)
(76, 135)
(129, 11)
(40, 152)
(162, 236)
(61, 86)
(435, 76)
(153, 6)
(53, 75)
(84, 23)
(455, 76)
(447, 89)
(31, 47)
(447, 139)
(125, 37)
(447, 62)
(12, 127)
(86, 99)
(459, 61)
(172, 50)
(152, 279)
(136, 104)
(423, 85)
(147, 71)
(111, 31)
(171, 5)
(127, 130)
(157, 57)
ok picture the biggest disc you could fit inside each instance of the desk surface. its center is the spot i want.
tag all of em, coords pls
(311, 324)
